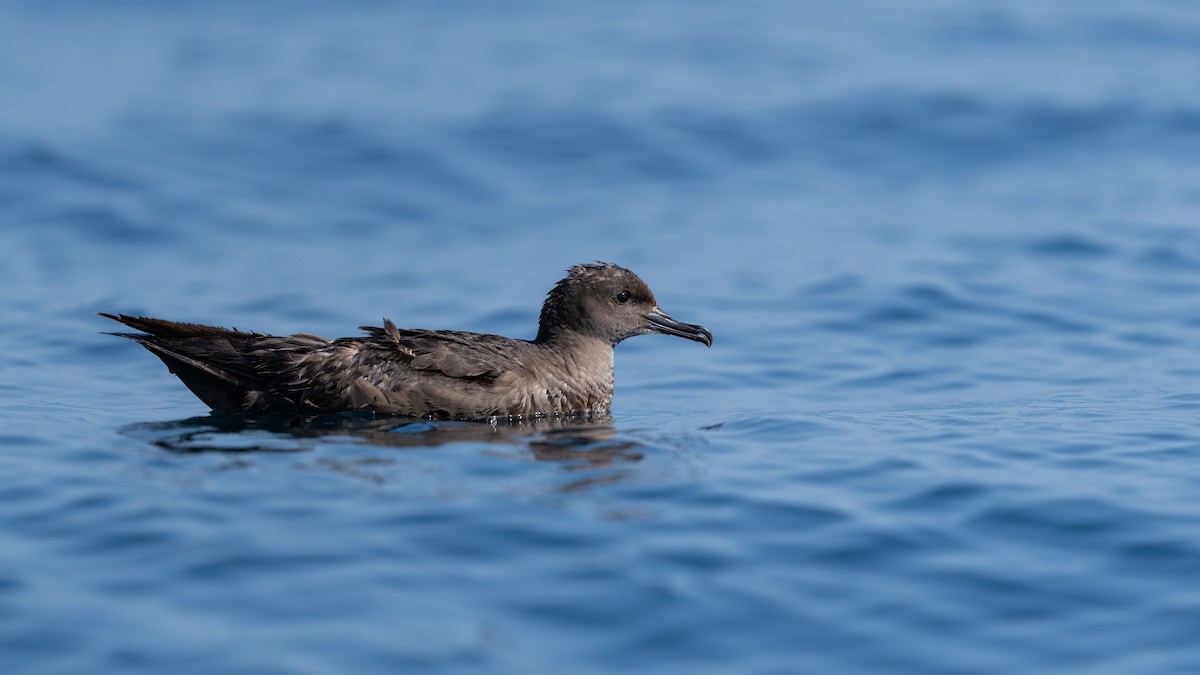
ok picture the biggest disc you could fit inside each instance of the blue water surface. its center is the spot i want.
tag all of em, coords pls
(949, 251)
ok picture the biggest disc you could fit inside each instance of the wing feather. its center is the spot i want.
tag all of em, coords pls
(451, 353)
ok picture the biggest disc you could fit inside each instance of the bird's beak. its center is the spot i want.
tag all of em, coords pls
(661, 323)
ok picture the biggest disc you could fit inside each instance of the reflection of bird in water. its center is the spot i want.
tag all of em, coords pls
(567, 368)
(583, 440)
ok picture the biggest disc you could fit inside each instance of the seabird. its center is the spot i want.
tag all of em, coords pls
(440, 374)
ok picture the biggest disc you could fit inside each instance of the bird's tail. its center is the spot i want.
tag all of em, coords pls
(210, 360)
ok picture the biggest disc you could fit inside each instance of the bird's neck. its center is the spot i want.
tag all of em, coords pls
(561, 339)
(585, 362)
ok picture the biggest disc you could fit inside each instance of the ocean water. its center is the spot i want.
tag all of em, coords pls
(950, 254)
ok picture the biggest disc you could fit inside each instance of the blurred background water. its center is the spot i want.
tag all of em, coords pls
(949, 252)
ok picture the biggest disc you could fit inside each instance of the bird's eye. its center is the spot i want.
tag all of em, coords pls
(623, 296)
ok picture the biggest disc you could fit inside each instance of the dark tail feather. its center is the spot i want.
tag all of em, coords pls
(203, 357)
(219, 389)
(164, 328)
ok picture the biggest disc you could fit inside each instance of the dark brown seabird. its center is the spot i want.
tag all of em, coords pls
(443, 374)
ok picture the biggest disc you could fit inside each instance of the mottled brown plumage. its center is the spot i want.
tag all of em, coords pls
(567, 368)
